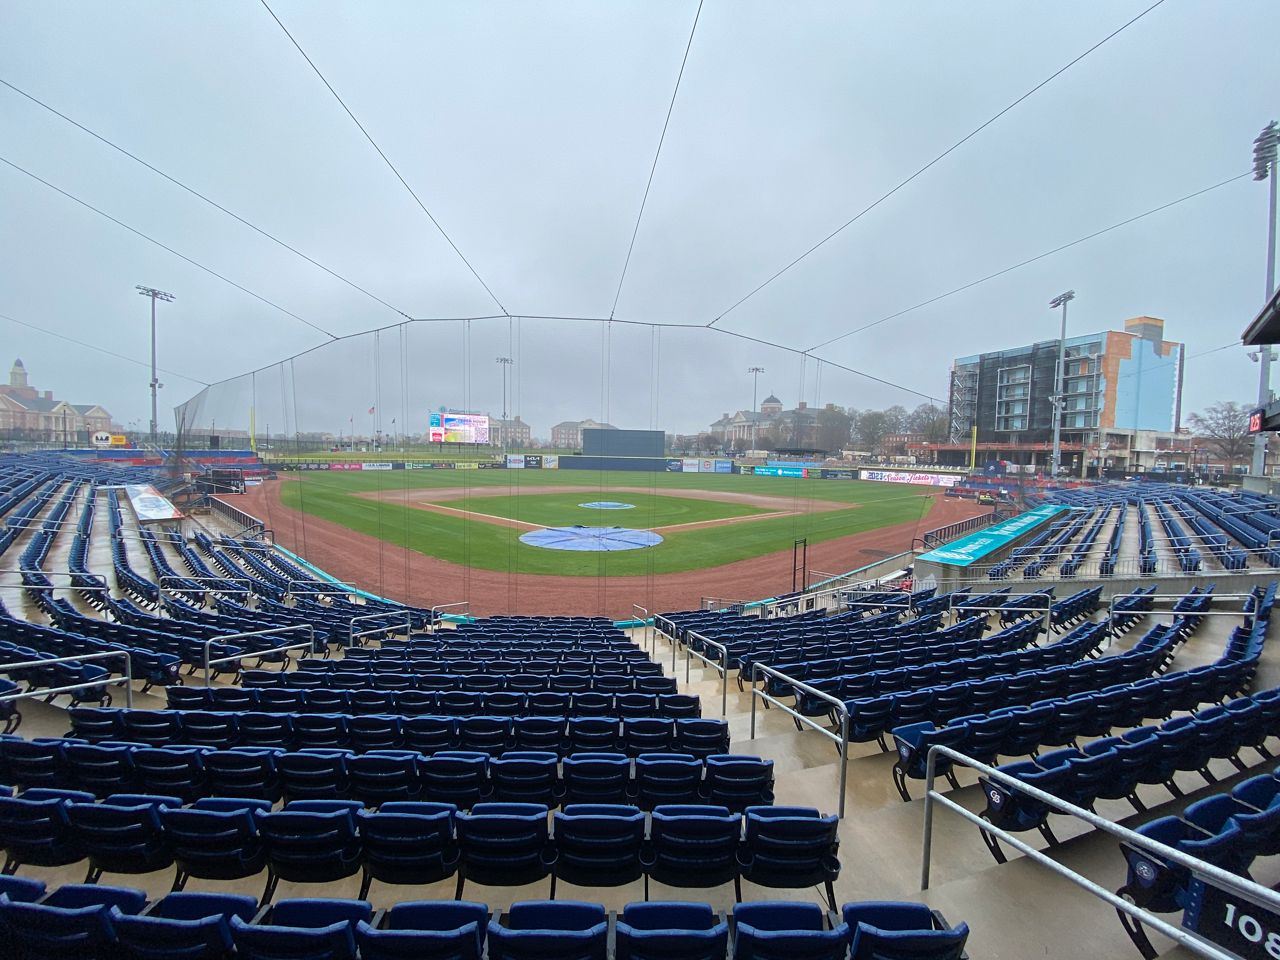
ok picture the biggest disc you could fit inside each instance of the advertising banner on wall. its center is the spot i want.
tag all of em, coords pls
(692, 465)
(675, 466)
(918, 479)
(149, 505)
(382, 465)
(346, 466)
(829, 474)
(551, 461)
(724, 466)
(515, 461)
(782, 471)
(533, 461)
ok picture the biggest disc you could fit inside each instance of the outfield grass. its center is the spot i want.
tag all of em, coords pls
(484, 545)
(563, 510)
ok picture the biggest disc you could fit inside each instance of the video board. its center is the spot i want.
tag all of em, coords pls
(458, 428)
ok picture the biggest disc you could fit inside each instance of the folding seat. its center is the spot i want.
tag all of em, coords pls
(676, 706)
(192, 926)
(34, 763)
(310, 841)
(591, 704)
(667, 778)
(670, 931)
(596, 778)
(1014, 811)
(569, 682)
(692, 846)
(633, 705)
(902, 931)
(648, 735)
(738, 782)
(313, 774)
(428, 734)
(271, 730)
(232, 699)
(790, 847)
(172, 771)
(655, 684)
(257, 679)
(101, 768)
(415, 703)
(375, 732)
(407, 843)
(702, 738)
(1029, 725)
(527, 682)
(483, 682)
(210, 729)
(539, 733)
(459, 777)
(328, 701)
(216, 838)
(189, 698)
(526, 776)
(986, 737)
(779, 930)
(35, 829)
(156, 728)
(312, 928)
(613, 683)
(122, 834)
(545, 703)
(439, 681)
(460, 703)
(490, 735)
(543, 929)
(73, 922)
(503, 703)
(384, 775)
(96, 723)
(301, 680)
(320, 731)
(371, 701)
(282, 700)
(532, 667)
(598, 845)
(592, 735)
(21, 889)
(503, 844)
(426, 930)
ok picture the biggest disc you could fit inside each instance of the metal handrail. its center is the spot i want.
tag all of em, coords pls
(670, 636)
(721, 668)
(648, 624)
(127, 680)
(228, 638)
(353, 633)
(841, 739)
(435, 611)
(240, 590)
(1219, 876)
(333, 587)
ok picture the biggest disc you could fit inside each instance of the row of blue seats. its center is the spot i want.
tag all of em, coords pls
(427, 733)
(1022, 730)
(904, 649)
(494, 844)
(84, 922)
(459, 777)
(1229, 830)
(870, 718)
(586, 665)
(148, 665)
(1113, 767)
(396, 695)
(440, 647)
(1083, 642)
(567, 682)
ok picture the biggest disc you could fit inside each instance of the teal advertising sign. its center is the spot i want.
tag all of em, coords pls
(972, 548)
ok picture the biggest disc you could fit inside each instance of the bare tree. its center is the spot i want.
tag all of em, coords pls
(1225, 427)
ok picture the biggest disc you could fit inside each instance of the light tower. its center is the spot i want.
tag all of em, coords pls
(755, 413)
(503, 364)
(1061, 300)
(155, 295)
(1264, 168)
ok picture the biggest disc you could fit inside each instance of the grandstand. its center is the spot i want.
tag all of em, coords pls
(201, 725)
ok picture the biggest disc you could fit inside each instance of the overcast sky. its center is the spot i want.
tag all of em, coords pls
(528, 130)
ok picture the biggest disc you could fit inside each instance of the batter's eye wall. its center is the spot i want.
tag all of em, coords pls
(623, 443)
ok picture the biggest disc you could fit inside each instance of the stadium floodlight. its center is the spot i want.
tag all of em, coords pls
(503, 363)
(1264, 168)
(155, 295)
(755, 413)
(1061, 300)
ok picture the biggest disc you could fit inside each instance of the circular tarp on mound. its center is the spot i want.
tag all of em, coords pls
(591, 539)
(608, 505)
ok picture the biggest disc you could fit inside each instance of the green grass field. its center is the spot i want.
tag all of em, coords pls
(562, 509)
(514, 493)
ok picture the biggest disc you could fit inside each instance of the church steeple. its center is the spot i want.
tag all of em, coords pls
(17, 374)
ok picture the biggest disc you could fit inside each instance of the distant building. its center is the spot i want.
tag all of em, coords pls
(1128, 380)
(567, 435)
(790, 427)
(510, 433)
(28, 414)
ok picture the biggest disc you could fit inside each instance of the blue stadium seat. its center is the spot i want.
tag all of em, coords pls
(667, 778)
(310, 841)
(692, 846)
(738, 782)
(73, 922)
(526, 776)
(426, 930)
(596, 778)
(216, 838)
(407, 843)
(183, 926)
(457, 777)
(35, 828)
(670, 931)
(311, 928)
(598, 845)
(122, 834)
(790, 847)
(901, 931)
(778, 930)
(504, 844)
(550, 930)
(384, 776)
